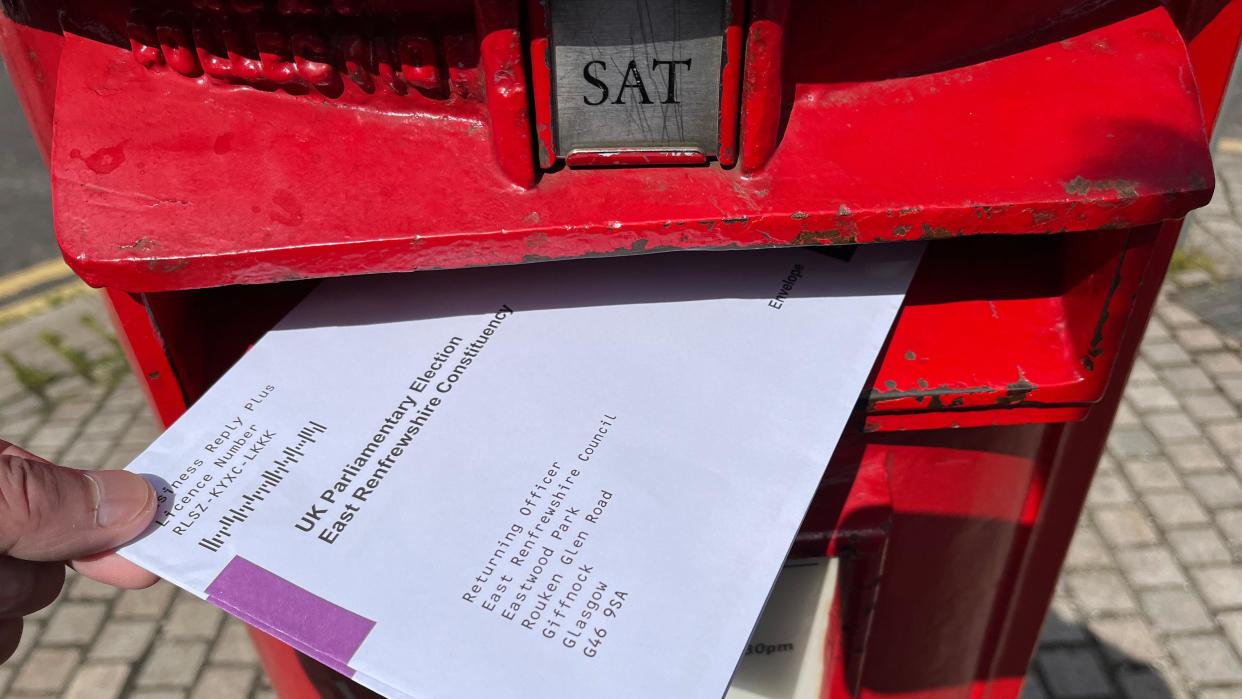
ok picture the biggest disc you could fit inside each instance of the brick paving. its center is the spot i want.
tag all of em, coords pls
(1149, 604)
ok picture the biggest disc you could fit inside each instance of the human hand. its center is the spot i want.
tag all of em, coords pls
(50, 515)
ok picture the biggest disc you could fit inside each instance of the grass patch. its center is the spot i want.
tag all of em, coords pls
(74, 357)
(1187, 260)
(32, 378)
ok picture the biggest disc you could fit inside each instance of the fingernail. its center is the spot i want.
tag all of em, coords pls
(120, 496)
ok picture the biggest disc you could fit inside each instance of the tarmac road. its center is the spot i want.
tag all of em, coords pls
(25, 196)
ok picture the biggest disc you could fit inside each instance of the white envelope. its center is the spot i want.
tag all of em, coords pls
(560, 480)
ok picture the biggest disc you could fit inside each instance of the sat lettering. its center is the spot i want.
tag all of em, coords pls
(632, 85)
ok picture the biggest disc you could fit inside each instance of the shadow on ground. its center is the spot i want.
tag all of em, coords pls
(1073, 662)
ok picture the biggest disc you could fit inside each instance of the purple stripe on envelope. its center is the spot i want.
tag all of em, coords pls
(325, 631)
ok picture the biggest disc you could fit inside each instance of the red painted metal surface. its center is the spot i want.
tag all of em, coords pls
(731, 83)
(1036, 328)
(762, 85)
(1064, 117)
(281, 174)
(504, 78)
(145, 352)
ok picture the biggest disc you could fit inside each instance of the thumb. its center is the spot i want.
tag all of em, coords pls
(53, 513)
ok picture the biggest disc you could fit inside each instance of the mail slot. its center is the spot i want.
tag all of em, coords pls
(212, 159)
(637, 81)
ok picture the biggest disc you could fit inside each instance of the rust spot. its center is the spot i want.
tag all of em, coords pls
(799, 215)
(1042, 217)
(154, 375)
(832, 236)
(911, 356)
(937, 402)
(1081, 187)
(844, 211)
(735, 219)
(939, 398)
(901, 231)
(938, 232)
(167, 265)
(923, 384)
(890, 385)
(1017, 391)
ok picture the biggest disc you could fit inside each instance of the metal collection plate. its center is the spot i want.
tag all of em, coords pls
(642, 75)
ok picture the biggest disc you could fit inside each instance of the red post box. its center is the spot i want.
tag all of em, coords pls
(211, 158)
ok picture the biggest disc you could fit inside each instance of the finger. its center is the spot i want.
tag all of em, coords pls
(52, 513)
(10, 636)
(27, 586)
(113, 570)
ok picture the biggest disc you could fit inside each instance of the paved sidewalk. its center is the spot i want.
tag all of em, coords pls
(66, 394)
(1150, 601)
(1149, 605)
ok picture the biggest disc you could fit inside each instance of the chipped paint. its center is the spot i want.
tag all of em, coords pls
(938, 232)
(1041, 216)
(1081, 187)
(1017, 391)
(139, 244)
(1096, 347)
(832, 236)
(935, 396)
